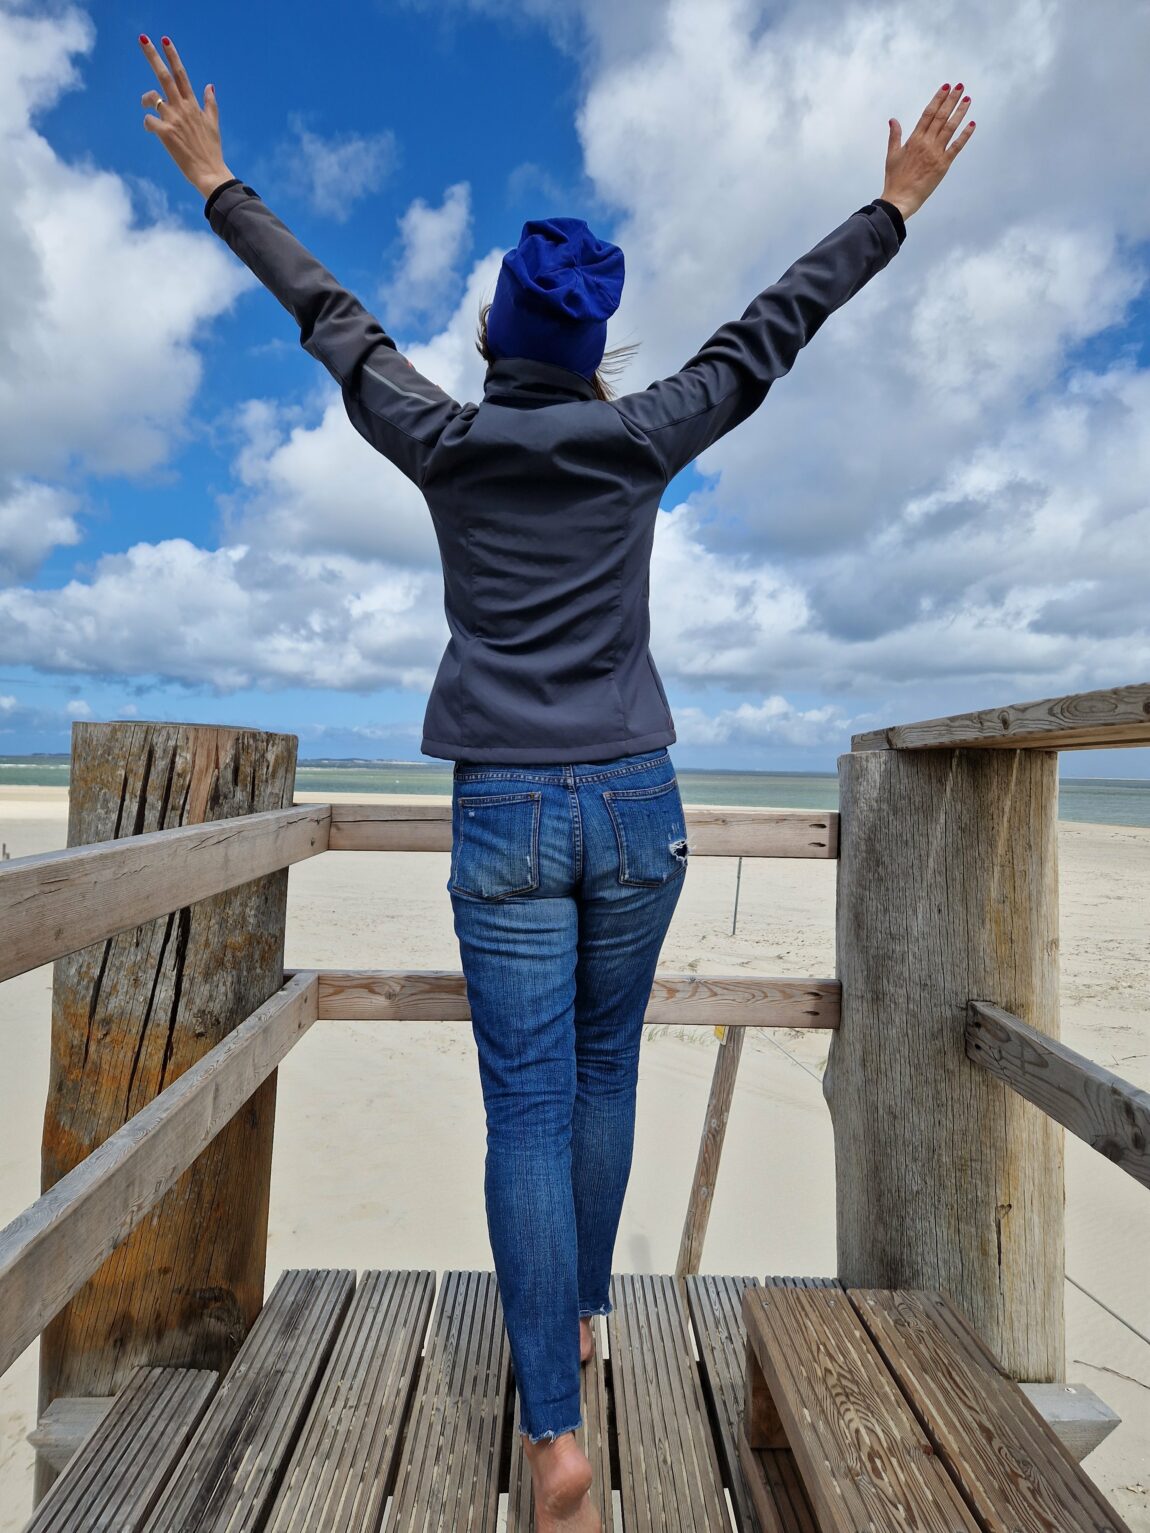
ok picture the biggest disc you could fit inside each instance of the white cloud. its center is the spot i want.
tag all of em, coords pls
(98, 317)
(434, 241)
(34, 519)
(334, 172)
(936, 509)
(231, 619)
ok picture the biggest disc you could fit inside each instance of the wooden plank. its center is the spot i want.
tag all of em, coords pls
(235, 1460)
(449, 1476)
(346, 1458)
(702, 1192)
(1084, 720)
(727, 831)
(669, 1475)
(766, 1492)
(1110, 1114)
(593, 1437)
(1075, 1414)
(66, 1425)
(58, 902)
(115, 1478)
(1007, 1461)
(677, 1000)
(54, 1246)
(864, 1459)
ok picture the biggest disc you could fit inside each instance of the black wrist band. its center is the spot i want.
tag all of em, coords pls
(215, 192)
(895, 216)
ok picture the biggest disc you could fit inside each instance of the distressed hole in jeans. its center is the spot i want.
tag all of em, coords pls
(680, 850)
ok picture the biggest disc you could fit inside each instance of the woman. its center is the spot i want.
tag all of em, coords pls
(568, 837)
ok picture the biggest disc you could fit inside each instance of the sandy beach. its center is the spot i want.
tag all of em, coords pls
(379, 1137)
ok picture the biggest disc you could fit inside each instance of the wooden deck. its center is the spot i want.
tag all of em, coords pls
(387, 1401)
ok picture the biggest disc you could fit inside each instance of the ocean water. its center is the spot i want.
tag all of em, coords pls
(1100, 800)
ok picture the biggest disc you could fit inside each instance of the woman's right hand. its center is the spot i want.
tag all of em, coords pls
(915, 168)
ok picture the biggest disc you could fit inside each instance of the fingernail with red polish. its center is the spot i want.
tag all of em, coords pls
(167, 41)
(143, 37)
(946, 87)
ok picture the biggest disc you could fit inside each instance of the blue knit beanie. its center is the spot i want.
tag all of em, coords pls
(555, 293)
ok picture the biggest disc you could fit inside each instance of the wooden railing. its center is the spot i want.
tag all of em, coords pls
(934, 837)
(60, 902)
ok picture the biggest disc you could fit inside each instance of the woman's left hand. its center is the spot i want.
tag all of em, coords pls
(190, 133)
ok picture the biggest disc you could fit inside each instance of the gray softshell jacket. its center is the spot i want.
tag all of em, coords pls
(543, 497)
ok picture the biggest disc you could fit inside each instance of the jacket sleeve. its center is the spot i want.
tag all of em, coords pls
(394, 407)
(728, 379)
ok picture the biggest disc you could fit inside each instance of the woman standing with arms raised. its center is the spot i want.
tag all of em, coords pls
(569, 849)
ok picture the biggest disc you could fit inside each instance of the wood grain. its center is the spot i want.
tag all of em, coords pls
(1111, 1114)
(764, 1486)
(56, 903)
(227, 1478)
(864, 1459)
(948, 890)
(130, 1015)
(116, 1477)
(713, 832)
(1082, 721)
(702, 1192)
(51, 1249)
(454, 1441)
(347, 1455)
(1007, 1461)
(670, 1480)
(677, 1000)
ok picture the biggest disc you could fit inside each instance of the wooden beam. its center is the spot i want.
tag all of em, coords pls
(712, 832)
(52, 1248)
(1109, 1113)
(677, 1000)
(1075, 1414)
(1084, 720)
(710, 1150)
(947, 889)
(58, 902)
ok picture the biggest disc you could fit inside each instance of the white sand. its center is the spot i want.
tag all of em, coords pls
(379, 1137)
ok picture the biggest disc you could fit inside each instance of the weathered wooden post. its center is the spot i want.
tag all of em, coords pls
(946, 1179)
(129, 1016)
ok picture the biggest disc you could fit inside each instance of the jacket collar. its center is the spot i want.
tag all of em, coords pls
(521, 381)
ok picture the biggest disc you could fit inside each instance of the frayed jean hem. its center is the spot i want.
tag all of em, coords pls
(587, 1311)
(550, 1436)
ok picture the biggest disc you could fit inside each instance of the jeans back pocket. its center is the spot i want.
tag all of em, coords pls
(651, 832)
(495, 844)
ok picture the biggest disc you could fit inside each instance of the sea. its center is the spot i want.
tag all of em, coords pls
(1100, 800)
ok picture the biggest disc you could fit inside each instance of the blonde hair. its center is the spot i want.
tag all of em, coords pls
(613, 363)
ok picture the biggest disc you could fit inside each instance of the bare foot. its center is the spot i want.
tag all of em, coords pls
(561, 1480)
(586, 1340)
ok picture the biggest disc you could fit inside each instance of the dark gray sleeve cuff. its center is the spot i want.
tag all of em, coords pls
(215, 192)
(896, 217)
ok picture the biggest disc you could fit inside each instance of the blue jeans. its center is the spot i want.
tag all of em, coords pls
(563, 882)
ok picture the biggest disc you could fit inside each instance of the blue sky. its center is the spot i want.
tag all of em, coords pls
(936, 511)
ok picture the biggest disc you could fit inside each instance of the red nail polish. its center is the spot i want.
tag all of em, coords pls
(946, 87)
(143, 37)
(167, 42)
(957, 87)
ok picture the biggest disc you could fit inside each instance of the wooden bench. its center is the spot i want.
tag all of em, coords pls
(899, 1417)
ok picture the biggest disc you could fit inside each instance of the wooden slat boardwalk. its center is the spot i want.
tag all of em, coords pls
(374, 1404)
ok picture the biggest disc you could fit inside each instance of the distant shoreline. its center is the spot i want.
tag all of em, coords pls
(1112, 801)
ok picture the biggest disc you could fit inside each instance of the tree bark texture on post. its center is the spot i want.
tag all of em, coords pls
(945, 1178)
(129, 1016)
